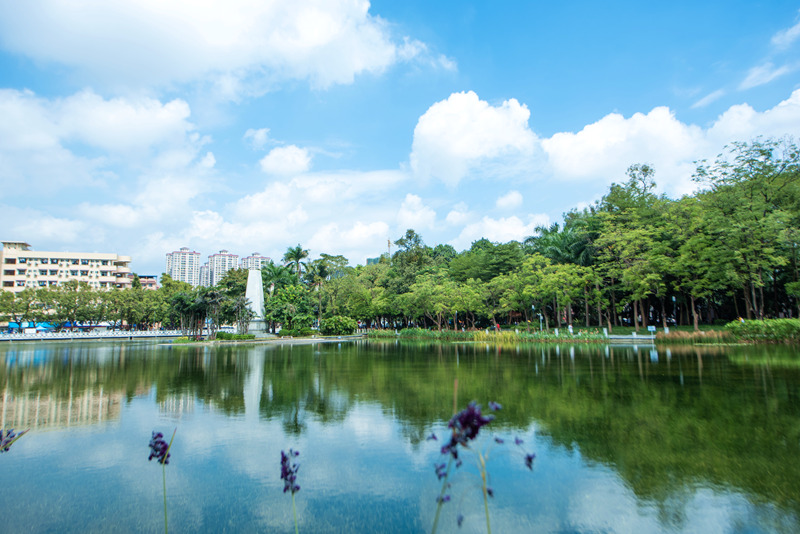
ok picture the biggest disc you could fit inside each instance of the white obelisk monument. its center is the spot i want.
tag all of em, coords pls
(255, 294)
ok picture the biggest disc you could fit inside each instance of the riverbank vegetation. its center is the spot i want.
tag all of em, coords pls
(633, 260)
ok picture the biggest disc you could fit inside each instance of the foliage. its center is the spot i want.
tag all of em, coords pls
(298, 331)
(337, 326)
(227, 336)
(771, 330)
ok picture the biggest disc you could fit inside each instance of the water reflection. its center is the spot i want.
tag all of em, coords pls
(674, 439)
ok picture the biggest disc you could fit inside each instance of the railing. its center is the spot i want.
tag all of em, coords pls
(109, 334)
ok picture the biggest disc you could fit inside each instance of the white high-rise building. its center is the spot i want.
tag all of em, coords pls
(184, 266)
(256, 261)
(204, 275)
(219, 264)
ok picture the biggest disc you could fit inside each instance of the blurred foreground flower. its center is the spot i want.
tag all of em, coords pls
(464, 429)
(289, 477)
(8, 438)
(159, 449)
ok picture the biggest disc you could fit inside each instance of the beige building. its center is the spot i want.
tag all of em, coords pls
(184, 266)
(21, 267)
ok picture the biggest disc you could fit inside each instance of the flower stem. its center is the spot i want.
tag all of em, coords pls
(294, 512)
(440, 500)
(164, 480)
(485, 493)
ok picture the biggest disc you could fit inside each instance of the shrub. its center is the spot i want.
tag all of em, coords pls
(300, 331)
(770, 330)
(227, 336)
(337, 325)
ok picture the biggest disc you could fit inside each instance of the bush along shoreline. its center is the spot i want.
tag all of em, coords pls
(766, 331)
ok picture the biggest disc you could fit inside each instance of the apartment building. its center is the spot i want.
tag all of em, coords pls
(219, 264)
(255, 261)
(21, 267)
(184, 266)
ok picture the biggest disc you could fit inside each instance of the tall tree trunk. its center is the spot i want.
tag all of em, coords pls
(557, 311)
(586, 304)
(599, 312)
(644, 306)
(694, 315)
(636, 315)
(747, 304)
(663, 314)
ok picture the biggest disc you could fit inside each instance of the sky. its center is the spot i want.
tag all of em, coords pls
(142, 126)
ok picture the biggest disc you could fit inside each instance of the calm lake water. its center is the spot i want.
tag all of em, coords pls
(627, 439)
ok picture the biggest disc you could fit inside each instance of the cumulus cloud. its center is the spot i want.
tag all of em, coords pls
(258, 43)
(464, 135)
(257, 138)
(37, 136)
(499, 230)
(414, 213)
(286, 160)
(511, 200)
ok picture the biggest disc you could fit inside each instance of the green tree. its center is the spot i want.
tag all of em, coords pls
(294, 256)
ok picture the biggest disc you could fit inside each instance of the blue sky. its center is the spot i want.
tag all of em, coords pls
(140, 126)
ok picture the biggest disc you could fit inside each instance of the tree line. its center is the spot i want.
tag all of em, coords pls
(636, 258)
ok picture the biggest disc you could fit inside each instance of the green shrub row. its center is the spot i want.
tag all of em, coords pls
(226, 336)
(301, 331)
(769, 330)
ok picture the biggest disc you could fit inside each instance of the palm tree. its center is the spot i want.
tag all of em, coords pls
(294, 256)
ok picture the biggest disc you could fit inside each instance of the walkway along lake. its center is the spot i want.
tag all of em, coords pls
(627, 439)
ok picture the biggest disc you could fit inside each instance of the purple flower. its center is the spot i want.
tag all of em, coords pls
(441, 470)
(465, 424)
(489, 491)
(432, 437)
(460, 519)
(289, 471)
(494, 406)
(529, 460)
(499, 440)
(159, 449)
(443, 498)
(518, 441)
(7, 439)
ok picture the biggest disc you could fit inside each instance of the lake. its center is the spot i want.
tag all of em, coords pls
(627, 439)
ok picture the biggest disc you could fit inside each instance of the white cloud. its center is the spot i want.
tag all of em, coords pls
(208, 160)
(464, 135)
(458, 215)
(43, 141)
(147, 42)
(286, 160)
(784, 38)
(763, 74)
(742, 123)
(499, 230)
(257, 138)
(511, 200)
(709, 98)
(415, 214)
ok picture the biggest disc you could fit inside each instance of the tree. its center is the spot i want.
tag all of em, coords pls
(295, 256)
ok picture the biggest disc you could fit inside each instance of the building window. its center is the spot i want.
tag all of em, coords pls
(73, 273)
(43, 271)
(74, 262)
(8, 284)
(84, 262)
(53, 272)
(21, 271)
(104, 262)
(42, 283)
(54, 261)
(10, 261)
(20, 283)
(84, 273)
(43, 260)
(23, 260)
(8, 273)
